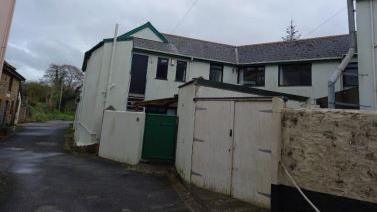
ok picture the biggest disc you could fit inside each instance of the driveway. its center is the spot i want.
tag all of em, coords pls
(44, 178)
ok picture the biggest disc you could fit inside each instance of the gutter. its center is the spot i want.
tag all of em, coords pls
(351, 52)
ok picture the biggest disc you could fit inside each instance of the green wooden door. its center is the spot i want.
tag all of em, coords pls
(159, 137)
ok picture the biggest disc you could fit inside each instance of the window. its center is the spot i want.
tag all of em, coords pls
(216, 72)
(253, 76)
(295, 74)
(10, 84)
(180, 74)
(162, 68)
(350, 77)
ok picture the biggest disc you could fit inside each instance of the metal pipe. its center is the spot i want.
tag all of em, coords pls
(371, 4)
(351, 52)
(109, 77)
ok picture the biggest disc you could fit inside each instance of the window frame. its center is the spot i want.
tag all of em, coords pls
(222, 71)
(185, 71)
(158, 68)
(280, 69)
(257, 68)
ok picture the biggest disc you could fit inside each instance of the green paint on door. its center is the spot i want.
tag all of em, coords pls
(159, 137)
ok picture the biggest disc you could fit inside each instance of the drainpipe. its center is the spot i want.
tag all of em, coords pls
(351, 52)
(109, 77)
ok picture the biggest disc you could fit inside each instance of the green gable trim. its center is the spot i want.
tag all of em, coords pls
(144, 26)
(88, 54)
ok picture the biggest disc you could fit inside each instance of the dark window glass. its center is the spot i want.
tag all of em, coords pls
(295, 74)
(138, 74)
(216, 72)
(10, 84)
(180, 74)
(253, 76)
(350, 77)
(162, 68)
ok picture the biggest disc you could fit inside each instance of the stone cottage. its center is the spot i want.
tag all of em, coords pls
(10, 95)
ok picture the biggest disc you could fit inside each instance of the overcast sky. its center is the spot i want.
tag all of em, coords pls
(60, 31)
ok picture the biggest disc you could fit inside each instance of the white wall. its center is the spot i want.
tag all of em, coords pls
(158, 89)
(321, 71)
(147, 34)
(366, 40)
(6, 14)
(92, 103)
(185, 113)
(122, 136)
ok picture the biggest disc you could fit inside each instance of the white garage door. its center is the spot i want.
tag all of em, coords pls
(211, 158)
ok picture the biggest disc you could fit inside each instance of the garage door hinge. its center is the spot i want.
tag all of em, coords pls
(195, 173)
(266, 111)
(198, 140)
(265, 194)
(200, 108)
(265, 150)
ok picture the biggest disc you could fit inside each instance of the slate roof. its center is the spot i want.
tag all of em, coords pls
(306, 49)
(12, 71)
(331, 47)
(321, 48)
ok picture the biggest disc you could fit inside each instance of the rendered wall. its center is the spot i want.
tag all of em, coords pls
(333, 152)
(92, 102)
(321, 71)
(6, 14)
(147, 34)
(122, 136)
(158, 89)
(366, 40)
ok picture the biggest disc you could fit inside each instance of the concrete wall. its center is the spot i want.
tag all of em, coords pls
(122, 136)
(92, 102)
(367, 38)
(321, 71)
(6, 14)
(333, 152)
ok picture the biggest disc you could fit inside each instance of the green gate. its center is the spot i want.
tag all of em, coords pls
(159, 137)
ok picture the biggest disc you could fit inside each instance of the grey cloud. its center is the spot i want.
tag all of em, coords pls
(52, 31)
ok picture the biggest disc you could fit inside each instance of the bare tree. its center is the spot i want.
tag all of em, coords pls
(292, 33)
(64, 79)
(69, 75)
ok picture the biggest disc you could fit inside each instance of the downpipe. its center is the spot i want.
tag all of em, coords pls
(347, 59)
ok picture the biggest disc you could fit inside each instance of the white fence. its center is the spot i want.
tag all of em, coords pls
(122, 136)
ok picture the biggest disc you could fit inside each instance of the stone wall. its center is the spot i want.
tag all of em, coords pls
(8, 97)
(333, 152)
